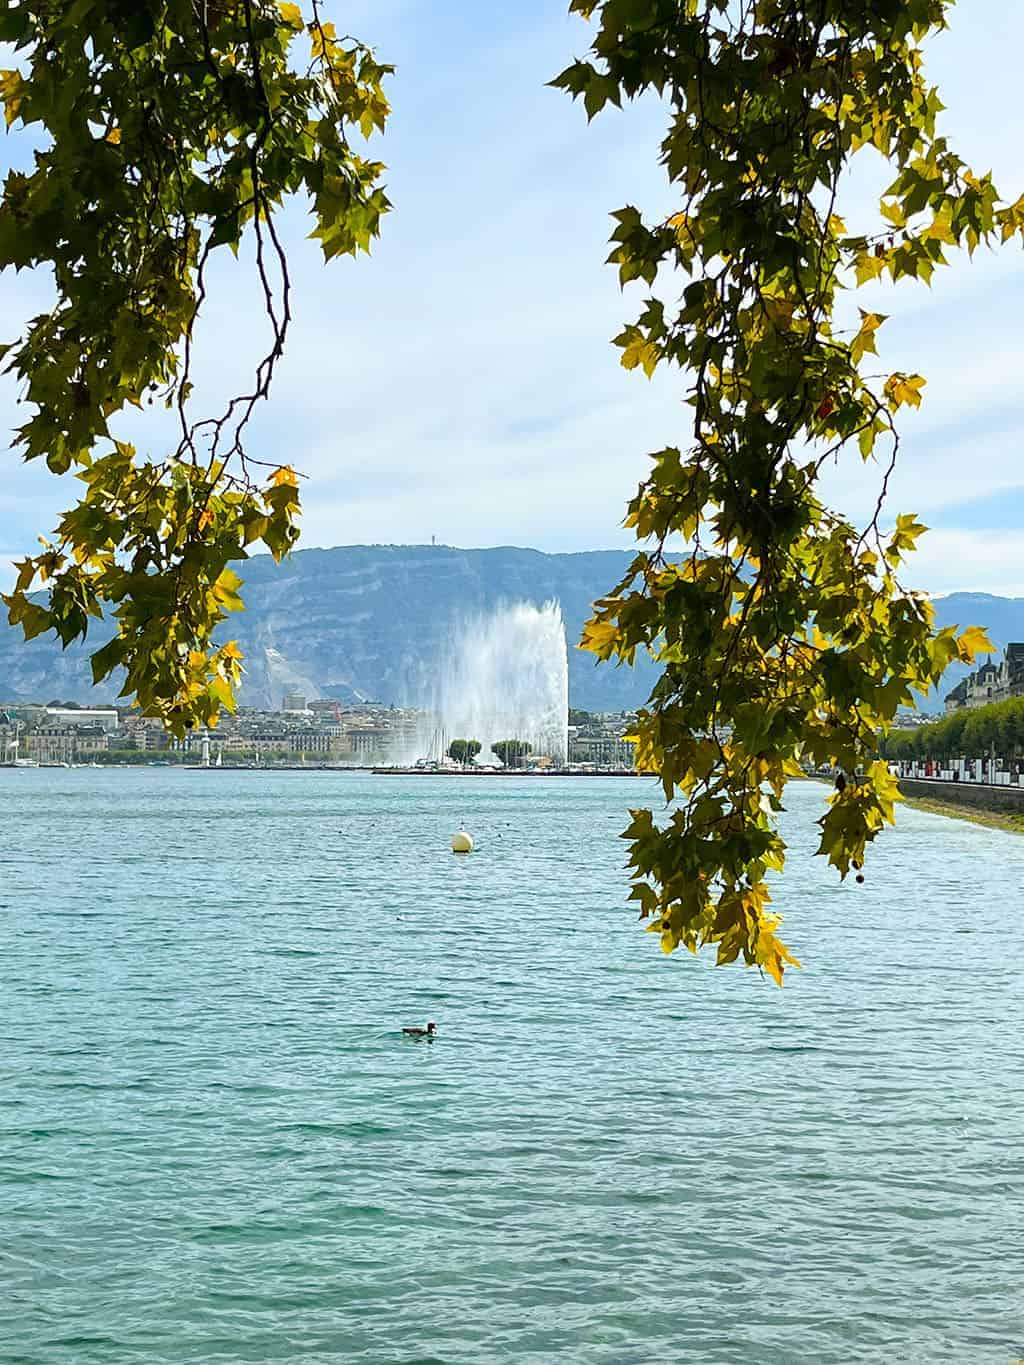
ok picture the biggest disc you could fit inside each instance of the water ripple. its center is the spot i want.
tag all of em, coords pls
(216, 1145)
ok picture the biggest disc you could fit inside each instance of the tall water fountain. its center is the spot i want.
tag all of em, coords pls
(506, 676)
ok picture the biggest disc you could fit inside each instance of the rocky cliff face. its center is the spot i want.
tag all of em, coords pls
(373, 622)
(368, 622)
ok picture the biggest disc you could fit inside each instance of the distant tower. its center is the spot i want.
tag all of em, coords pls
(433, 540)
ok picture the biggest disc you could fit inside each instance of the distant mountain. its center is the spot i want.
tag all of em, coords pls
(374, 621)
(369, 622)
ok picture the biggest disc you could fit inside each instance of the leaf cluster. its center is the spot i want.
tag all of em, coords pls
(166, 130)
(784, 634)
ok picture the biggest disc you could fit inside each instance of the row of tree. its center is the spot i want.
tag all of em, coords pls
(509, 752)
(970, 733)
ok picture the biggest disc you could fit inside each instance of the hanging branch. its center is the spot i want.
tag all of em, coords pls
(170, 129)
(783, 631)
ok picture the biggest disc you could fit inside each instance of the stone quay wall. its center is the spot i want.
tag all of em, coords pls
(977, 795)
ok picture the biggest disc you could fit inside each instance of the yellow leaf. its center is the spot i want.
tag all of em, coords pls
(974, 640)
(225, 591)
(292, 15)
(12, 92)
(285, 475)
(908, 528)
(229, 580)
(864, 341)
(894, 212)
(941, 229)
(903, 389)
(869, 267)
(599, 635)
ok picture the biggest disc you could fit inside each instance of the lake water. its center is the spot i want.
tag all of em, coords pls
(216, 1146)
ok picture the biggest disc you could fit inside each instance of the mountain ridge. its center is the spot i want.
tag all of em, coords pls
(374, 622)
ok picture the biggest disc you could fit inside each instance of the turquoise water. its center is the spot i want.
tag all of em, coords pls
(216, 1146)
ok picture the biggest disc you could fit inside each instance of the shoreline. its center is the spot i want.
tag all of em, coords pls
(1010, 822)
(507, 772)
(365, 769)
(991, 819)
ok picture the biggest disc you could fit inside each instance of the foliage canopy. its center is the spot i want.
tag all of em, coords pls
(167, 128)
(511, 752)
(464, 750)
(782, 627)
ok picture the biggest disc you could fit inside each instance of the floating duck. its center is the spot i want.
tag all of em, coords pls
(420, 1033)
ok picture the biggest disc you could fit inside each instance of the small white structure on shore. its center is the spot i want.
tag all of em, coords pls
(462, 842)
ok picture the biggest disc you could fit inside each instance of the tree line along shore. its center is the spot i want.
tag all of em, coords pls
(980, 732)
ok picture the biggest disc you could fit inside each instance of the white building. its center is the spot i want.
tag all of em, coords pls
(106, 717)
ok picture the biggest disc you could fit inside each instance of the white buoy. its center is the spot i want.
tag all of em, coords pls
(462, 842)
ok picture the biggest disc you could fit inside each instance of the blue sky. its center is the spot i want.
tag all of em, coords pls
(461, 382)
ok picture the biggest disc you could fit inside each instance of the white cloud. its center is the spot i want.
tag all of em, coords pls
(967, 561)
(461, 382)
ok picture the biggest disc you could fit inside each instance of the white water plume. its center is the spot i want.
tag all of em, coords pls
(506, 676)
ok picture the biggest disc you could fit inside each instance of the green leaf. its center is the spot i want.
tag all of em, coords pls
(105, 660)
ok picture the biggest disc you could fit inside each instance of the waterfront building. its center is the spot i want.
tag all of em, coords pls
(310, 741)
(991, 682)
(10, 738)
(602, 751)
(956, 698)
(271, 742)
(145, 732)
(64, 743)
(370, 743)
(106, 716)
